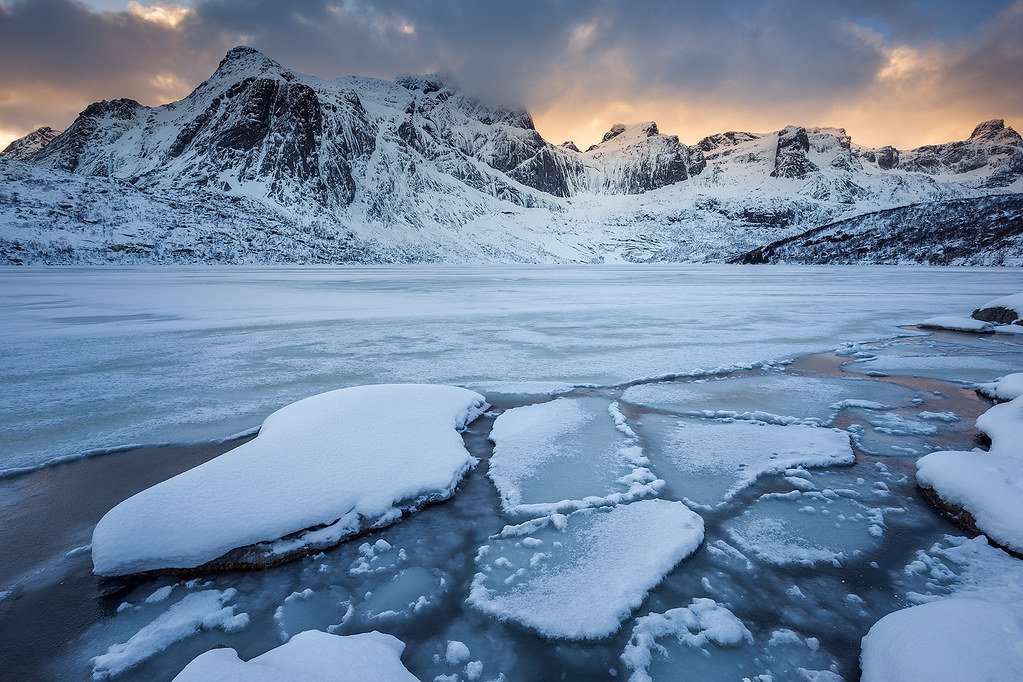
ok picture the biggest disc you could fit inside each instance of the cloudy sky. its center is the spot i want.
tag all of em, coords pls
(891, 72)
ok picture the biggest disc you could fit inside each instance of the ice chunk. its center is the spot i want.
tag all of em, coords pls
(567, 454)
(777, 397)
(708, 462)
(336, 463)
(204, 610)
(310, 655)
(456, 653)
(951, 639)
(807, 528)
(957, 324)
(584, 573)
(1008, 387)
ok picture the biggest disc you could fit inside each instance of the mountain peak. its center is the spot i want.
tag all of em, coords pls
(995, 130)
(247, 59)
(24, 147)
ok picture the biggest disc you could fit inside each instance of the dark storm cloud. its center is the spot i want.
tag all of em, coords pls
(571, 62)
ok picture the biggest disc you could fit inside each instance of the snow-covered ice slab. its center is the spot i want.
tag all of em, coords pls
(808, 527)
(892, 434)
(707, 462)
(988, 485)
(951, 639)
(206, 610)
(567, 454)
(320, 470)
(957, 324)
(774, 398)
(1008, 387)
(706, 641)
(578, 576)
(310, 655)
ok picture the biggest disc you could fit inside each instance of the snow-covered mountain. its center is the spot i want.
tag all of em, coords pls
(261, 164)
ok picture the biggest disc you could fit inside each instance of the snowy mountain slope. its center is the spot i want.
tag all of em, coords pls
(262, 164)
(25, 147)
(980, 231)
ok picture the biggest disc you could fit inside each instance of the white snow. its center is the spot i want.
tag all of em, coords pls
(341, 460)
(989, 485)
(952, 639)
(957, 324)
(456, 653)
(205, 610)
(1008, 387)
(567, 454)
(583, 574)
(310, 656)
(707, 462)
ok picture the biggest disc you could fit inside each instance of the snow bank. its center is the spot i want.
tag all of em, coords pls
(1008, 387)
(198, 611)
(957, 324)
(310, 655)
(988, 485)
(338, 463)
(952, 639)
(578, 576)
(567, 454)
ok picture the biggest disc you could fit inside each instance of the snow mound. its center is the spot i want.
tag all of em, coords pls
(709, 462)
(310, 655)
(952, 639)
(204, 610)
(320, 470)
(1004, 310)
(579, 576)
(1008, 387)
(957, 324)
(988, 485)
(567, 454)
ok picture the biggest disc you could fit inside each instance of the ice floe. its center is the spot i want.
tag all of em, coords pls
(579, 576)
(774, 398)
(706, 462)
(951, 639)
(961, 368)
(309, 655)
(198, 611)
(320, 470)
(567, 454)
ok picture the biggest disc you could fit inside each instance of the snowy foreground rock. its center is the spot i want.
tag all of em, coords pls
(952, 639)
(1007, 388)
(1004, 310)
(987, 485)
(320, 470)
(579, 576)
(310, 655)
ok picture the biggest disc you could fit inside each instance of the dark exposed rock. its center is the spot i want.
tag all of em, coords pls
(790, 160)
(569, 144)
(616, 130)
(998, 315)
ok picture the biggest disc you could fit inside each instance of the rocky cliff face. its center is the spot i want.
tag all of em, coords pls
(417, 169)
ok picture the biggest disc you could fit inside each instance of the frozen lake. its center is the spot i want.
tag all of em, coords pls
(663, 374)
(101, 358)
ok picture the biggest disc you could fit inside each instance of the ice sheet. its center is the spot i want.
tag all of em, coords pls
(100, 358)
(774, 398)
